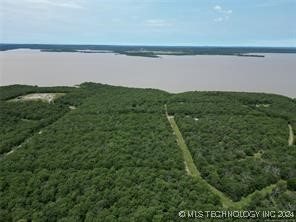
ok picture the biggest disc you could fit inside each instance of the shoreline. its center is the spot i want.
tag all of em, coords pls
(158, 55)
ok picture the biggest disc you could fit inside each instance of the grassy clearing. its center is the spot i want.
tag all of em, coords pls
(191, 168)
(186, 153)
(291, 136)
(245, 201)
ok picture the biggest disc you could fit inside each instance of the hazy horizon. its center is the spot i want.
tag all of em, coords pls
(147, 45)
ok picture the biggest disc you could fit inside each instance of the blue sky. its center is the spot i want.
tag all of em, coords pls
(150, 22)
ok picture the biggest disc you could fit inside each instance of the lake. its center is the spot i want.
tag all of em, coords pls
(274, 73)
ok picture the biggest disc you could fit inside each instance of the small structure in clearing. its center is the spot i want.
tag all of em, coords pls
(44, 97)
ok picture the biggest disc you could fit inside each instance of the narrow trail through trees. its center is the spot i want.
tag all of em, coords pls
(35, 132)
(291, 135)
(192, 171)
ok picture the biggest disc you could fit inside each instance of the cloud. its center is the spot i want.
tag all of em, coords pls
(157, 23)
(224, 14)
(63, 3)
(217, 7)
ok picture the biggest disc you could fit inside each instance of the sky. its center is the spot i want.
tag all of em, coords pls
(150, 22)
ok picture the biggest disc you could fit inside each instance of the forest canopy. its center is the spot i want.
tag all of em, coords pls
(107, 153)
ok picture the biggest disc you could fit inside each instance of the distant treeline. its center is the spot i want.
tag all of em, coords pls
(152, 51)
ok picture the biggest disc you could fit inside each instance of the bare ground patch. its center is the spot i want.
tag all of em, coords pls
(44, 97)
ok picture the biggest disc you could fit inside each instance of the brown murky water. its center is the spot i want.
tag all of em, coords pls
(275, 73)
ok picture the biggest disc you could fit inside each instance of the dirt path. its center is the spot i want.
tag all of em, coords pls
(16, 147)
(192, 170)
(37, 131)
(291, 136)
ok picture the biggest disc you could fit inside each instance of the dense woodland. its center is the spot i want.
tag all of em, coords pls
(115, 157)
(238, 140)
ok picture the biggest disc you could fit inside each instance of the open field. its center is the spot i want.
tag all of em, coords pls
(275, 73)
